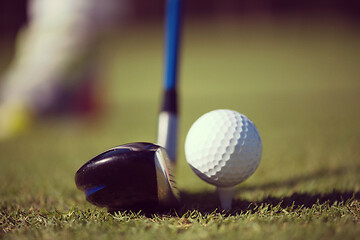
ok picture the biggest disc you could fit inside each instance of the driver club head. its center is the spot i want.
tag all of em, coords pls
(134, 176)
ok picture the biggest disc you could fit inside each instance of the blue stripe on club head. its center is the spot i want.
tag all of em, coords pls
(92, 190)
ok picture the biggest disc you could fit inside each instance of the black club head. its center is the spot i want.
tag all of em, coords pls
(134, 176)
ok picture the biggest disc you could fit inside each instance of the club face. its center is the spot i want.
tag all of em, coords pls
(133, 176)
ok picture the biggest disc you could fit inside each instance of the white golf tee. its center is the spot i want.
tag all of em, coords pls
(226, 195)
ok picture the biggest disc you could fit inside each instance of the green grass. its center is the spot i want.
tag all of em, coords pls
(298, 80)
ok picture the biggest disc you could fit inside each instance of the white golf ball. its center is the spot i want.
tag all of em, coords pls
(223, 147)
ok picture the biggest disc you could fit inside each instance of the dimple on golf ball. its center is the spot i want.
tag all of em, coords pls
(223, 147)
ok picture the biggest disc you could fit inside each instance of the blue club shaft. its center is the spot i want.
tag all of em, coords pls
(168, 117)
(172, 32)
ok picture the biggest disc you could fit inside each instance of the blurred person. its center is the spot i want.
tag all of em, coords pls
(53, 68)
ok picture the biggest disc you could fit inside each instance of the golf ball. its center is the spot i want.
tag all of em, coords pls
(223, 147)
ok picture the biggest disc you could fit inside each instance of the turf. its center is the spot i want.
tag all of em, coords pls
(296, 78)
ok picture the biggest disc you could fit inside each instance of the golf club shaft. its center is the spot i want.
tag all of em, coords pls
(168, 117)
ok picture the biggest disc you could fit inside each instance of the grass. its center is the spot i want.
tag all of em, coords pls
(296, 79)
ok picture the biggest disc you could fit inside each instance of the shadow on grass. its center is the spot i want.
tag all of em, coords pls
(208, 202)
(303, 178)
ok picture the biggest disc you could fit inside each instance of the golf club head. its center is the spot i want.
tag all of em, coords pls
(134, 176)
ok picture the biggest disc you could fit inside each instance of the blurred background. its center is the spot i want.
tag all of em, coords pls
(290, 66)
(13, 14)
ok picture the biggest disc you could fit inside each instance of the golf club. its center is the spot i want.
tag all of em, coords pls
(137, 176)
(134, 176)
(168, 117)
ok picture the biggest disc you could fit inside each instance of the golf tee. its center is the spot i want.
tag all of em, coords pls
(226, 195)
